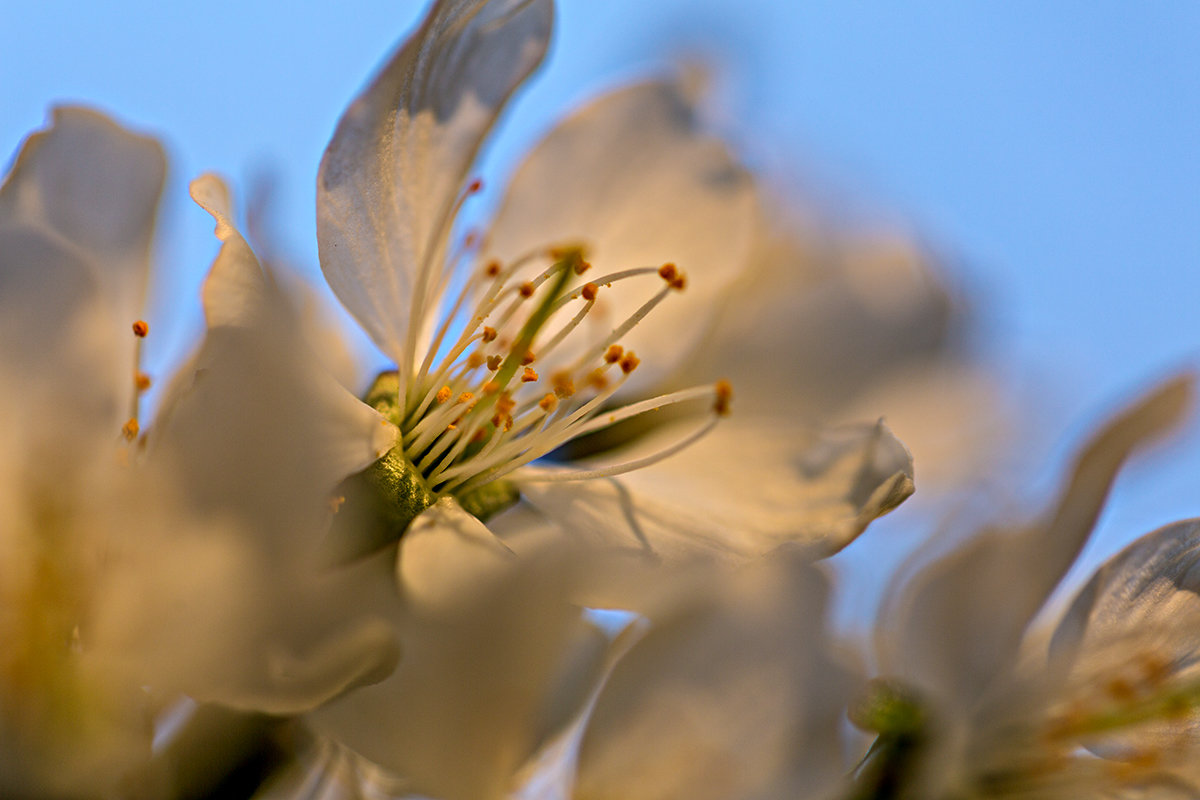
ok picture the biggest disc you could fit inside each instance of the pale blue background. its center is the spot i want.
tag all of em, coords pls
(1054, 147)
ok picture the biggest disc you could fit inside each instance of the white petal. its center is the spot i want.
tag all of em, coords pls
(732, 693)
(945, 629)
(445, 552)
(96, 185)
(634, 176)
(749, 486)
(402, 151)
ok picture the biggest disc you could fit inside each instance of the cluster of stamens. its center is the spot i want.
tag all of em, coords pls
(507, 391)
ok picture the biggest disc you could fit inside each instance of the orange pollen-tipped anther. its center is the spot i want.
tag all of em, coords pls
(678, 283)
(724, 393)
(491, 387)
(597, 379)
(582, 266)
(529, 376)
(548, 402)
(492, 269)
(613, 354)
(494, 362)
(505, 404)
(142, 381)
(526, 289)
(629, 362)
(489, 334)
(589, 291)
(475, 186)
(527, 359)
(466, 397)
(140, 329)
(562, 384)
(668, 272)
(130, 429)
(443, 394)
(475, 360)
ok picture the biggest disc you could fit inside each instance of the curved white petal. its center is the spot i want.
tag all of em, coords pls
(732, 693)
(634, 177)
(96, 185)
(749, 486)
(401, 153)
(946, 632)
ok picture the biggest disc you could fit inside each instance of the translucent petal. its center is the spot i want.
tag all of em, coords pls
(401, 154)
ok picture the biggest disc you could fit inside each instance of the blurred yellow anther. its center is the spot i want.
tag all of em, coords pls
(1121, 689)
(505, 403)
(502, 421)
(678, 283)
(130, 429)
(494, 362)
(443, 394)
(589, 291)
(548, 403)
(475, 186)
(335, 503)
(476, 360)
(492, 269)
(140, 329)
(478, 436)
(597, 379)
(491, 387)
(629, 362)
(613, 354)
(562, 384)
(529, 375)
(724, 394)
(668, 272)
(466, 397)
(527, 359)
(489, 334)
(581, 266)
(1155, 669)
(141, 380)
(527, 289)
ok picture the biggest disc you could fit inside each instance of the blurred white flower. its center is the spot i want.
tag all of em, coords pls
(967, 706)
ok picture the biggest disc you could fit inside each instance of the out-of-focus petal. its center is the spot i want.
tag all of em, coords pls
(946, 632)
(634, 177)
(480, 678)
(732, 693)
(401, 153)
(747, 487)
(97, 186)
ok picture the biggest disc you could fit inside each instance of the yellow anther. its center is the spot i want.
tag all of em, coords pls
(589, 291)
(443, 394)
(629, 362)
(491, 387)
(724, 393)
(548, 403)
(140, 329)
(141, 380)
(529, 375)
(466, 397)
(613, 354)
(562, 384)
(489, 334)
(597, 379)
(494, 362)
(492, 269)
(527, 289)
(582, 266)
(130, 429)
(668, 272)
(527, 359)
(505, 403)
(478, 436)
(678, 283)
(502, 421)
(335, 503)
(476, 360)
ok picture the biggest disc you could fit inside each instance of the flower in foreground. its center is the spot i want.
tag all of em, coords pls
(967, 706)
(598, 275)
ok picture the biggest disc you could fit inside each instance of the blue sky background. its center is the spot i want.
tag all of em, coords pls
(1053, 147)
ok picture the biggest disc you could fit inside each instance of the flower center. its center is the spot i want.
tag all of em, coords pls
(514, 371)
